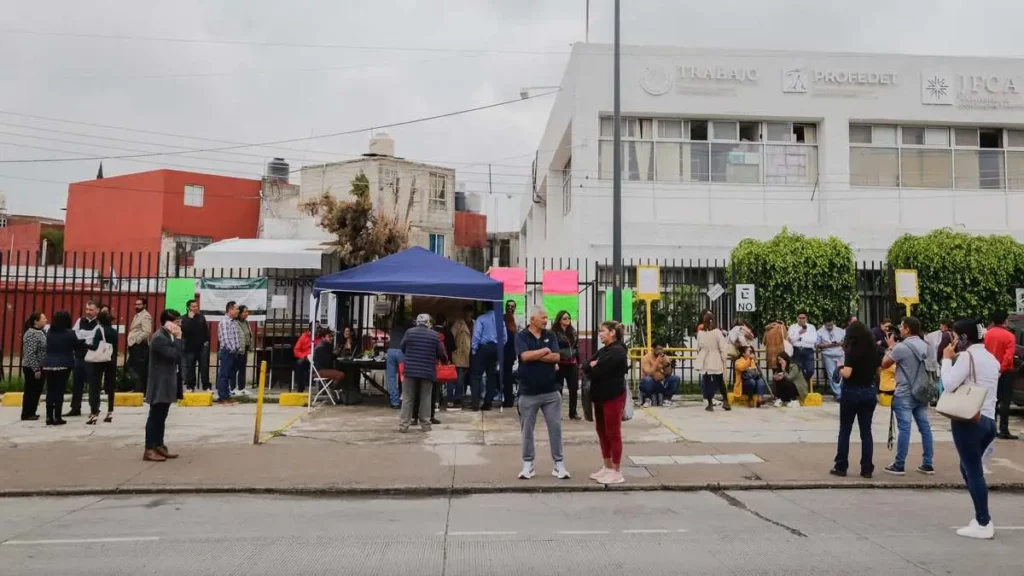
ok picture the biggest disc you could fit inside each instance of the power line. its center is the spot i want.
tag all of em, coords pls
(290, 140)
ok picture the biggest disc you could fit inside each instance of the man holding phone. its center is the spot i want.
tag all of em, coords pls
(804, 338)
(909, 356)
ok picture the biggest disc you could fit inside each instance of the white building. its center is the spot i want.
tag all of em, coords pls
(719, 146)
(421, 194)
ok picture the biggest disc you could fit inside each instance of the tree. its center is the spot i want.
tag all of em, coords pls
(793, 274)
(960, 275)
(363, 233)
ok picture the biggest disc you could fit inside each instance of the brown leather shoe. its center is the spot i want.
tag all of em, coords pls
(153, 456)
(165, 453)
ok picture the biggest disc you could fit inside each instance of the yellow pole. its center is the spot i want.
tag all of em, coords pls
(647, 306)
(907, 305)
(259, 402)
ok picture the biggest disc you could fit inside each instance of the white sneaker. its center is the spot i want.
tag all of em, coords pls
(560, 472)
(599, 473)
(977, 531)
(646, 404)
(778, 403)
(612, 477)
(986, 471)
(529, 471)
(668, 404)
(794, 404)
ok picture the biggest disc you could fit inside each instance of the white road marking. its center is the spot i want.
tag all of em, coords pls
(652, 531)
(482, 533)
(998, 527)
(81, 541)
(582, 532)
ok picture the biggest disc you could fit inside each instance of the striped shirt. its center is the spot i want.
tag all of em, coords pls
(229, 336)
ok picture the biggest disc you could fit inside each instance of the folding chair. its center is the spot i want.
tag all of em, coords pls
(323, 386)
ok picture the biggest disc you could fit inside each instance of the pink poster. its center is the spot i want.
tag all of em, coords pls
(561, 282)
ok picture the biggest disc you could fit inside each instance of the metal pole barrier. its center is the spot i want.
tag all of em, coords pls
(259, 402)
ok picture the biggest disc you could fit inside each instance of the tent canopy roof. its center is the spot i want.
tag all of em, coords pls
(262, 253)
(415, 271)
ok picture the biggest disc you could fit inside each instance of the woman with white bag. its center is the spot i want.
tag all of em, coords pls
(969, 400)
(103, 357)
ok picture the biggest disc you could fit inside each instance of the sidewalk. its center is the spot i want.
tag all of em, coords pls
(357, 450)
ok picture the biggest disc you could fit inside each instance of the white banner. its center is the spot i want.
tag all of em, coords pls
(215, 293)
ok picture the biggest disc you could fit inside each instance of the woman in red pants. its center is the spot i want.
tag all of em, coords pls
(607, 373)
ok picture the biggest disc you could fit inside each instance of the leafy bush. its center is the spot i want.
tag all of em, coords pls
(793, 274)
(673, 318)
(960, 275)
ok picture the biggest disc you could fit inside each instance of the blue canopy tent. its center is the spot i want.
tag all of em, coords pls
(417, 272)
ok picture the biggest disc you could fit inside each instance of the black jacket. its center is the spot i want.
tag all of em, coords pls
(323, 355)
(195, 333)
(608, 376)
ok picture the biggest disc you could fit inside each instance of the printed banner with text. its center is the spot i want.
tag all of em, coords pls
(215, 293)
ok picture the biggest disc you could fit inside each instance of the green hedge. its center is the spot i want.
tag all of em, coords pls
(960, 275)
(795, 273)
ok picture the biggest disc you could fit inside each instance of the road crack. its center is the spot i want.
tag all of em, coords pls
(739, 505)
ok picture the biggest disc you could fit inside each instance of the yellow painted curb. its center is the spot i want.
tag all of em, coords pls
(813, 399)
(279, 431)
(128, 399)
(670, 427)
(196, 400)
(12, 399)
(735, 400)
(292, 399)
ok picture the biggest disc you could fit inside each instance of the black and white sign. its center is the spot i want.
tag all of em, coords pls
(1020, 300)
(215, 293)
(746, 300)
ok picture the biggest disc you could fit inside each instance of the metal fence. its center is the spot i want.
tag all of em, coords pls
(119, 279)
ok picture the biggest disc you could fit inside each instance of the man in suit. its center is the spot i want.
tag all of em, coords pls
(163, 389)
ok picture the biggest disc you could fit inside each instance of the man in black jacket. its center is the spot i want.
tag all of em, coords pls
(195, 334)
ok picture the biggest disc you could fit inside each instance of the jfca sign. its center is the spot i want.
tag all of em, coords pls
(746, 300)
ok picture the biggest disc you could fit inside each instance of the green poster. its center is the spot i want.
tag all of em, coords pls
(520, 300)
(179, 291)
(627, 306)
(555, 303)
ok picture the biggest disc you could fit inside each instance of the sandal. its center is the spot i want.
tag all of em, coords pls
(92, 419)
(109, 418)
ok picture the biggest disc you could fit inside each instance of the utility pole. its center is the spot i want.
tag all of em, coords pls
(586, 37)
(617, 187)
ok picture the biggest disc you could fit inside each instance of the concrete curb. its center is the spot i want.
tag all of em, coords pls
(426, 491)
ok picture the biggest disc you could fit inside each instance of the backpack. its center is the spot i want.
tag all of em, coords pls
(924, 386)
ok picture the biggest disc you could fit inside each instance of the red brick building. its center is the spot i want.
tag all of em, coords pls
(22, 239)
(158, 213)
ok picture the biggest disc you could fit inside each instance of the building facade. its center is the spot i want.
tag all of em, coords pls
(719, 146)
(166, 214)
(421, 194)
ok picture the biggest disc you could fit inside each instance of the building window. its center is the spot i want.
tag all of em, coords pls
(388, 182)
(437, 244)
(567, 187)
(194, 195)
(185, 248)
(727, 151)
(936, 157)
(438, 192)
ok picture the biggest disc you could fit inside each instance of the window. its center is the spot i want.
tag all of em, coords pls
(185, 248)
(437, 244)
(438, 192)
(726, 151)
(567, 187)
(388, 182)
(194, 195)
(936, 157)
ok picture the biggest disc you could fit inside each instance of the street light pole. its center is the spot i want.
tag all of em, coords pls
(617, 187)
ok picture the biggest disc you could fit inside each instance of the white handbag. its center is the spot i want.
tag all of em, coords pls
(103, 353)
(627, 408)
(964, 403)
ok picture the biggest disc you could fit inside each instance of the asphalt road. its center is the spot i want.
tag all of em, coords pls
(636, 533)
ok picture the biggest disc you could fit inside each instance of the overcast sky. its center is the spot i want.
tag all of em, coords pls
(362, 63)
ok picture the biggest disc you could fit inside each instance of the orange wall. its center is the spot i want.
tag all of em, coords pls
(470, 230)
(231, 206)
(120, 213)
(130, 213)
(20, 239)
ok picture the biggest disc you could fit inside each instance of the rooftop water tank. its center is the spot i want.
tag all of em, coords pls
(382, 145)
(278, 170)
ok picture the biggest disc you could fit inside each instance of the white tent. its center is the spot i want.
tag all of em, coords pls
(262, 253)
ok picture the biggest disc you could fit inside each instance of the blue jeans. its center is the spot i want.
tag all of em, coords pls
(226, 374)
(484, 363)
(395, 357)
(804, 358)
(906, 409)
(668, 387)
(458, 388)
(971, 441)
(831, 364)
(755, 385)
(858, 403)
